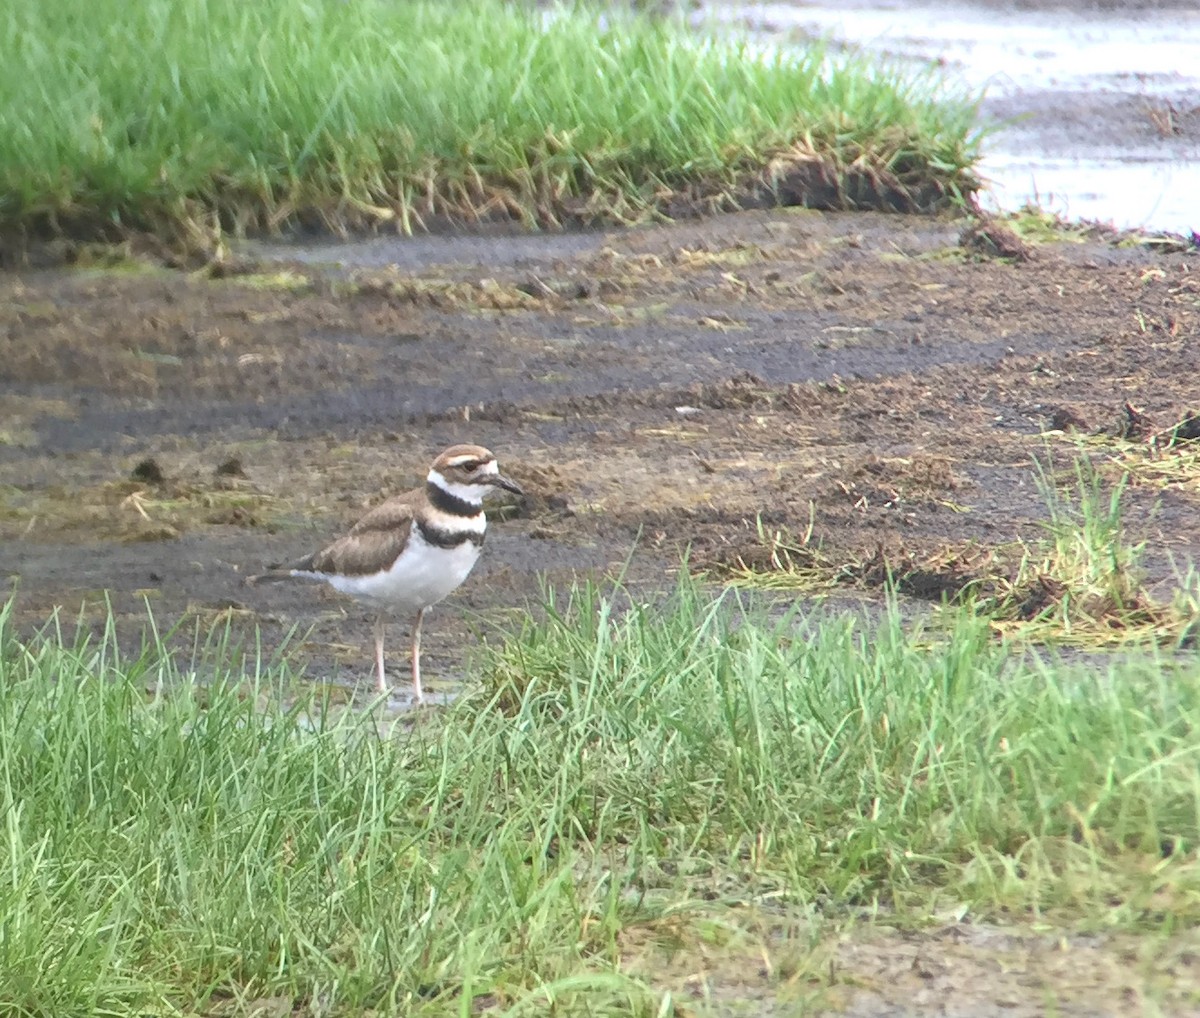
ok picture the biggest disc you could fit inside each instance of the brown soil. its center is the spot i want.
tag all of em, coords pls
(865, 380)
(953, 969)
(882, 380)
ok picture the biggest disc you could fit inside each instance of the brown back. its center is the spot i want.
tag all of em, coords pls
(372, 543)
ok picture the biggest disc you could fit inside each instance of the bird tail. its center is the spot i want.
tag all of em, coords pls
(298, 570)
(270, 576)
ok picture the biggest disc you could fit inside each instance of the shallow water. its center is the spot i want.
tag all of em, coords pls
(1094, 114)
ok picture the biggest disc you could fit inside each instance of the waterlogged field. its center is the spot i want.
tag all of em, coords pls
(374, 113)
(670, 809)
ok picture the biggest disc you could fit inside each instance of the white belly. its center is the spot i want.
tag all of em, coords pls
(421, 576)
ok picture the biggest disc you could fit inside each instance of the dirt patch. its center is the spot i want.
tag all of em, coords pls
(877, 384)
(981, 970)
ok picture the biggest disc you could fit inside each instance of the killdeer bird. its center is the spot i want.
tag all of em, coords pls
(411, 551)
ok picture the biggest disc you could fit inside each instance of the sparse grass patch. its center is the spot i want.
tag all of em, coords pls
(362, 112)
(449, 294)
(780, 562)
(733, 256)
(1083, 583)
(1080, 584)
(1014, 236)
(1163, 457)
(134, 510)
(1036, 225)
(285, 279)
(1175, 467)
(783, 560)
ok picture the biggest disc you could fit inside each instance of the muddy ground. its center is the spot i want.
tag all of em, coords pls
(862, 379)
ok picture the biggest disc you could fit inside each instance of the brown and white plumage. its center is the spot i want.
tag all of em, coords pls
(411, 551)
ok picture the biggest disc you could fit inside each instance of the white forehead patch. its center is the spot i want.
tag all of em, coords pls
(488, 468)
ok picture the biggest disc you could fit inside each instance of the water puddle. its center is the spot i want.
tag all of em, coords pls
(1095, 114)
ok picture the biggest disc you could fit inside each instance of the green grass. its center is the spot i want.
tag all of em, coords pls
(1084, 581)
(215, 114)
(625, 782)
(1038, 226)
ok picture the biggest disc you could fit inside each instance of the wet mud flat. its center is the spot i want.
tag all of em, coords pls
(865, 381)
(872, 389)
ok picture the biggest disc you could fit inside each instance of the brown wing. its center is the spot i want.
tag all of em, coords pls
(372, 543)
(397, 511)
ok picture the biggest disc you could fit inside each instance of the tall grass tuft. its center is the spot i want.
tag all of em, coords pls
(167, 115)
(1084, 581)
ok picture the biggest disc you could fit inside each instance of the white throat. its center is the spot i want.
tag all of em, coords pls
(469, 493)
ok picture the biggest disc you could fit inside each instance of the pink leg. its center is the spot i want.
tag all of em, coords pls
(416, 655)
(380, 676)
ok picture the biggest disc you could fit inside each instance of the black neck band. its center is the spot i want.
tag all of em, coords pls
(440, 538)
(445, 502)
